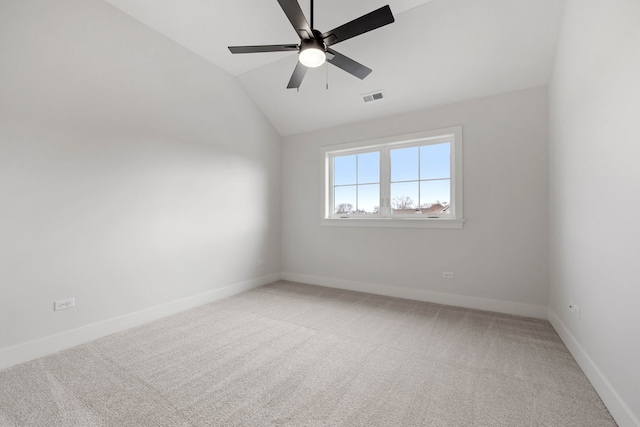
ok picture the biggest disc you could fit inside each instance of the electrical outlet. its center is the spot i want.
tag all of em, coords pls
(260, 262)
(574, 309)
(447, 275)
(63, 304)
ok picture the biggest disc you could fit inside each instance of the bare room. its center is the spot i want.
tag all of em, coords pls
(408, 213)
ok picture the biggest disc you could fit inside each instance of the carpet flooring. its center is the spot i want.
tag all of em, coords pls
(288, 354)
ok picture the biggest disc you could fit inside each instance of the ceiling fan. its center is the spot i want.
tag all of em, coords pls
(313, 49)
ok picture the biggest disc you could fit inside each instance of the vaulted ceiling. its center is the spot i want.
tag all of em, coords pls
(437, 52)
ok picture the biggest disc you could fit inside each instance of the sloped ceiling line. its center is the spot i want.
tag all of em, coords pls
(437, 52)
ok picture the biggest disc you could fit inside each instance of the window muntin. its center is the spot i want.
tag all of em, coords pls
(416, 176)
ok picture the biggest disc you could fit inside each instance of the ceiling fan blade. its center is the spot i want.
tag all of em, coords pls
(347, 64)
(298, 75)
(368, 22)
(293, 11)
(264, 48)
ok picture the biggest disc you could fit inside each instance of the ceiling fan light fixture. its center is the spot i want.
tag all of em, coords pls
(312, 53)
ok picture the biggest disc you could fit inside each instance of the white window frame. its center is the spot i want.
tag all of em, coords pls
(385, 218)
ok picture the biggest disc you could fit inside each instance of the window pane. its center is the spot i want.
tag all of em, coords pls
(369, 168)
(404, 164)
(368, 198)
(404, 197)
(344, 170)
(344, 199)
(435, 161)
(434, 194)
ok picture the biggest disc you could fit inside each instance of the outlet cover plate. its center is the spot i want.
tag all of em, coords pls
(64, 304)
(574, 309)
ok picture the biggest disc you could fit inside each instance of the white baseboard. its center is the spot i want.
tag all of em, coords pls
(51, 344)
(612, 400)
(507, 307)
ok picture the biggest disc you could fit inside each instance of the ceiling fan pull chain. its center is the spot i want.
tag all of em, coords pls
(327, 68)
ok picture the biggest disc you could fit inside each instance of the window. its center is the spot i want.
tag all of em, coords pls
(407, 181)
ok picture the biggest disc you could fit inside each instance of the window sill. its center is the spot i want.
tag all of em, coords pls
(447, 223)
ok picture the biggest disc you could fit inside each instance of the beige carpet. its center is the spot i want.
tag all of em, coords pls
(296, 355)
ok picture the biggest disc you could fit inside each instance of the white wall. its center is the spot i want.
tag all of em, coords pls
(499, 258)
(134, 176)
(595, 196)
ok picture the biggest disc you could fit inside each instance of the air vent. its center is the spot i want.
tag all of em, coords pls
(374, 96)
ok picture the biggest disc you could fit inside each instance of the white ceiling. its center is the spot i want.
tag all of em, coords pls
(437, 52)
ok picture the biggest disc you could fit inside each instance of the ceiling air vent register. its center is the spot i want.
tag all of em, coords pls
(375, 96)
